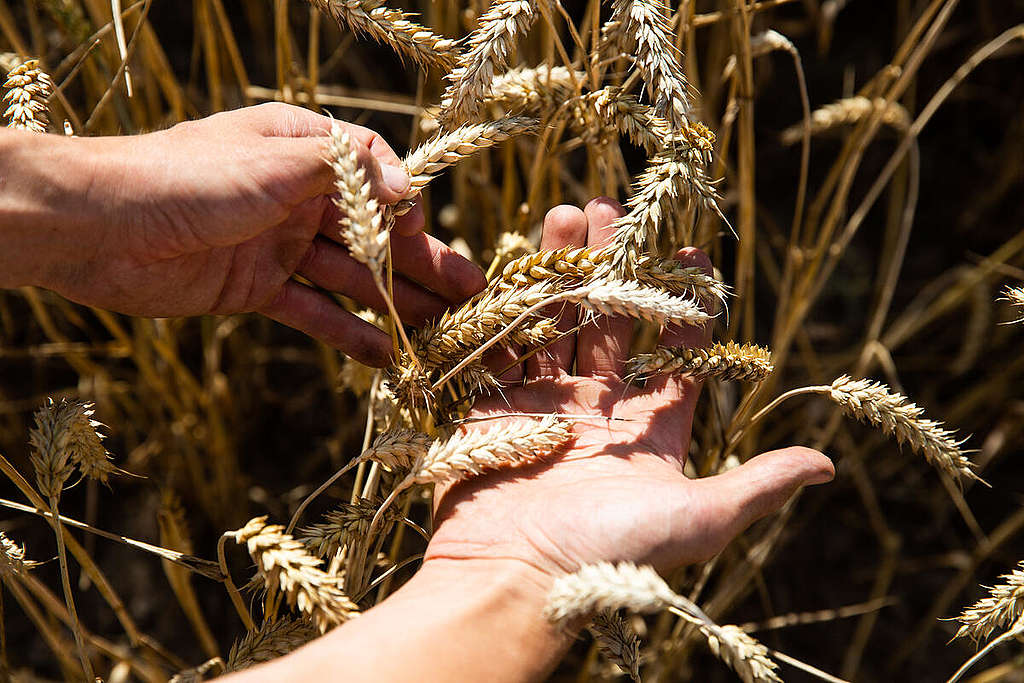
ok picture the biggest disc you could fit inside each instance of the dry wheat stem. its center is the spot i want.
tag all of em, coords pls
(272, 640)
(280, 557)
(28, 90)
(489, 49)
(1002, 606)
(729, 361)
(618, 642)
(393, 27)
(606, 586)
(645, 33)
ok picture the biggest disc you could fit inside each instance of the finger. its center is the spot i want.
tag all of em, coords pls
(314, 313)
(437, 267)
(331, 267)
(602, 345)
(564, 226)
(672, 388)
(724, 505)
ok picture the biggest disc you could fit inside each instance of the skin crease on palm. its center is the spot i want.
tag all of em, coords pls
(618, 492)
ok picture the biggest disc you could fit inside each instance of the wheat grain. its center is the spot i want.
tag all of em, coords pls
(1001, 607)
(729, 361)
(511, 444)
(360, 215)
(534, 91)
(618, 642)
(270, 641)
(549, 264)
(872, 402)
(28, 92)
(847, 112)
(392, 27)
(621, 111)
(747, 657)
(645, 33)
(280, 557)
(489, 49)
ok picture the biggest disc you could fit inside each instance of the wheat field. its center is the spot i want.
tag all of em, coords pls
(187, 497)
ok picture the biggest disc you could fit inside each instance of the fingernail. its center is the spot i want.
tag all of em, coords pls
(395, 178)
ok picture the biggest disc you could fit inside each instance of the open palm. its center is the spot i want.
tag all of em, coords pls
(618, 492)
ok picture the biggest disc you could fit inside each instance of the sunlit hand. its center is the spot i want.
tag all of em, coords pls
(618, 492)
(216, 215)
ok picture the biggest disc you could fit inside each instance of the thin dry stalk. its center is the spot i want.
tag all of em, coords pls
(392, 27)
(28, 90)
(489, 49)
(618, 642)
(1001, 607)
(729, 361)
(272, 640)
(645, 33)
(283, 560)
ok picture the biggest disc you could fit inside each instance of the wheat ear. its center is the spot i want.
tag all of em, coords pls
(632, 299)
(618, 642)
(394, 28)
(489, 49)
(729, 361)
(872, 402)
(606, 586)
(1002, 606)
(272, 640)
(1015, 295)
(848, 112)
(623, 112)
(279, 556)
(534, 91)
(645, 33)
(347, 521)
(12, 558)
(360, 213)
(28, 90)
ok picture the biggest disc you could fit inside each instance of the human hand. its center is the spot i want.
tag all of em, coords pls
(618, 493)
(216, 215)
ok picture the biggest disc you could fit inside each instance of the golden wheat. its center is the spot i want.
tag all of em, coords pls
(28, 92)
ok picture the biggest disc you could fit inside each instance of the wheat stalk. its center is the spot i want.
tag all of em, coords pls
(1002, 606)
(489, 49)
(618, 642)
(28, 92)
(392, 27)
(872, 402)
(605, 586)
(645, 33)
(729, 361)
(848, 112)
(281, 558)
(272, 640)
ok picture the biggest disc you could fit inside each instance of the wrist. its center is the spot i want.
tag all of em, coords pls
(45, 221)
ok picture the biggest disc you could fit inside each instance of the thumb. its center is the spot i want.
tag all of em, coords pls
(734, 500)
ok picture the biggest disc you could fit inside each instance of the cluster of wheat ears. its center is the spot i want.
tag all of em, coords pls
(630, 83)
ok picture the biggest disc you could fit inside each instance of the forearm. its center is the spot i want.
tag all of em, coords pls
(450, 622)
(45, 223)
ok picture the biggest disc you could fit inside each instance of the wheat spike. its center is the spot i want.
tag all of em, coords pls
(1015, 295)
(848, 112)
(673, 179)
(729, 361)
(1001, 607)
(51, 455)
(397, 449)
(361, 217)
(645, 33)
(605, 586)
(511, 444)
(621, 111)
(489, 49)
(534, 91)
(270, 641)
(672, 276)
(550, 264)
(632, 299)
(298, 573)
(211, 667)
(28, 89)
(872, 402)
(347, 521)
(618, 642)
(392, 27)
(12, 558)
(512, 245)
